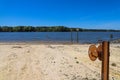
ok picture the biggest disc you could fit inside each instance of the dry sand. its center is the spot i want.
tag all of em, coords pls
(54, 62)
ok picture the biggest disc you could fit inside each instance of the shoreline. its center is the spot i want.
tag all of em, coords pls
(43, 42)
(116, 41)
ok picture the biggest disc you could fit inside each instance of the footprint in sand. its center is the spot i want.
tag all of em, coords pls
(12, 56)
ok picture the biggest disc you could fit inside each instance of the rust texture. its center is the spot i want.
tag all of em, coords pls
(105, 62)
(102, 53)
(93, 52)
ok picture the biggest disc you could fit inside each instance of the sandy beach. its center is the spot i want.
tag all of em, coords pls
(54, 62)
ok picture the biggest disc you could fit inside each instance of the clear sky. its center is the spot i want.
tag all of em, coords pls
(95, 14)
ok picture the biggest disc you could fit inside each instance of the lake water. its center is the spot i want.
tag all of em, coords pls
(84, 37)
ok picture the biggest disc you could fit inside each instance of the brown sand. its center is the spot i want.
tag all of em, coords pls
(54, 62)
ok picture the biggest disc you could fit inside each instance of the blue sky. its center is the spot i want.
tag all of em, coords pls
(95, 14)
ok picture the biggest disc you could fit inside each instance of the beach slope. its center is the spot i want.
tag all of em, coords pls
(54, 62)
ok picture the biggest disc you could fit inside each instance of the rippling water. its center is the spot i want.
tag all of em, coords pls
(84, 37)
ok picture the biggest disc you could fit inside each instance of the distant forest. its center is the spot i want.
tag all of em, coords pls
(49, 29)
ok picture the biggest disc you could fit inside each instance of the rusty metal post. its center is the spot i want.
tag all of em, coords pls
(105, 60)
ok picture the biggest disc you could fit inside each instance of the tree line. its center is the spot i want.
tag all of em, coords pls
(47, 29)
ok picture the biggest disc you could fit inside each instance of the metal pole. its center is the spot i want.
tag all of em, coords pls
(77, 36)
(105, 60)
(71, 37)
